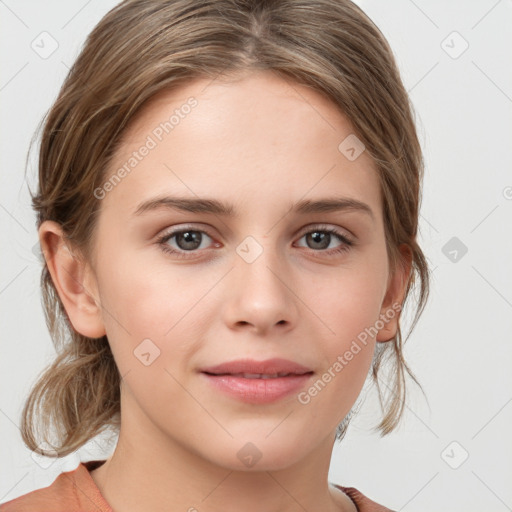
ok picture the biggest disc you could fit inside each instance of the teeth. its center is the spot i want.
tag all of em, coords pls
(260, 375)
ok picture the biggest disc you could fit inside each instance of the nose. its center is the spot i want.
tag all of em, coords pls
(260, 296)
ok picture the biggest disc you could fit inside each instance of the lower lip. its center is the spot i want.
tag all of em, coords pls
(258, 391)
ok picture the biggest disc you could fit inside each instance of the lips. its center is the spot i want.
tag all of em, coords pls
(258, 382)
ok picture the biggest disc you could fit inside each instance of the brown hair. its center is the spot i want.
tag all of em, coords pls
(142, 47)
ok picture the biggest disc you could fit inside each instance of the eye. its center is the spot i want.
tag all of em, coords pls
(183, 241)
(322, 237)
(186, 242)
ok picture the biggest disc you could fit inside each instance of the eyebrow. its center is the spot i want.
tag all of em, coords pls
(213, 206)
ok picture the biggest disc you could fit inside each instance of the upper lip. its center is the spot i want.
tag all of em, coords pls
(251, 366)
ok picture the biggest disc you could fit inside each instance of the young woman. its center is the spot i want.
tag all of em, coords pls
(228, 208)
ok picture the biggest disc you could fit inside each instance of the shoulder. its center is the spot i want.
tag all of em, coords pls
(362, 503)
(71, 491)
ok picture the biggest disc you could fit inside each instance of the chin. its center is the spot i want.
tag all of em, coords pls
(260, 453)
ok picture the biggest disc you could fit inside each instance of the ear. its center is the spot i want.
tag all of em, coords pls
(74, 281)
(395, 293)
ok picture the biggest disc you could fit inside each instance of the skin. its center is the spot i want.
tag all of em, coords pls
(262, 144)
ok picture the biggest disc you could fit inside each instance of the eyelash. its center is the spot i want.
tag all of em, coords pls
(345, 247)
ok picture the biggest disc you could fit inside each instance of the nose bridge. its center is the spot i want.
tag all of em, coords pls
(261, 296)
(259, 263)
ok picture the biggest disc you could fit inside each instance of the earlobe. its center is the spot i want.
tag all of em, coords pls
(395, 295)
(73, 280)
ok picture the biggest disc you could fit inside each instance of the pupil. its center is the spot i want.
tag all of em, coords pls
(320, 238)
(191, 240)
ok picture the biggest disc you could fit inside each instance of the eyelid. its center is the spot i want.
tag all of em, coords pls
(306, 229)
(343, 232)
(185, 227)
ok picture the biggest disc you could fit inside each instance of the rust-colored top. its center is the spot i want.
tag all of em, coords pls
(76, 491)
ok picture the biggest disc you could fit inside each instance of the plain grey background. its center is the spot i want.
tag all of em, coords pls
(450, 454)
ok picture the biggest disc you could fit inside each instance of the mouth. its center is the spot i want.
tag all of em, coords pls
(255, 375)
(258, 382)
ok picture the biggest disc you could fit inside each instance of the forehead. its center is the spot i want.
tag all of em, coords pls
(258, 139)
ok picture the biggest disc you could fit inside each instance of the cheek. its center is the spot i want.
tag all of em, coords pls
(349, 300)
(149, 299)
(351, 308)
(147, 296)
(356, 306)
(349, 305)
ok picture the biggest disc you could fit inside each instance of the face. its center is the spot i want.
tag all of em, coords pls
(242, 243)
